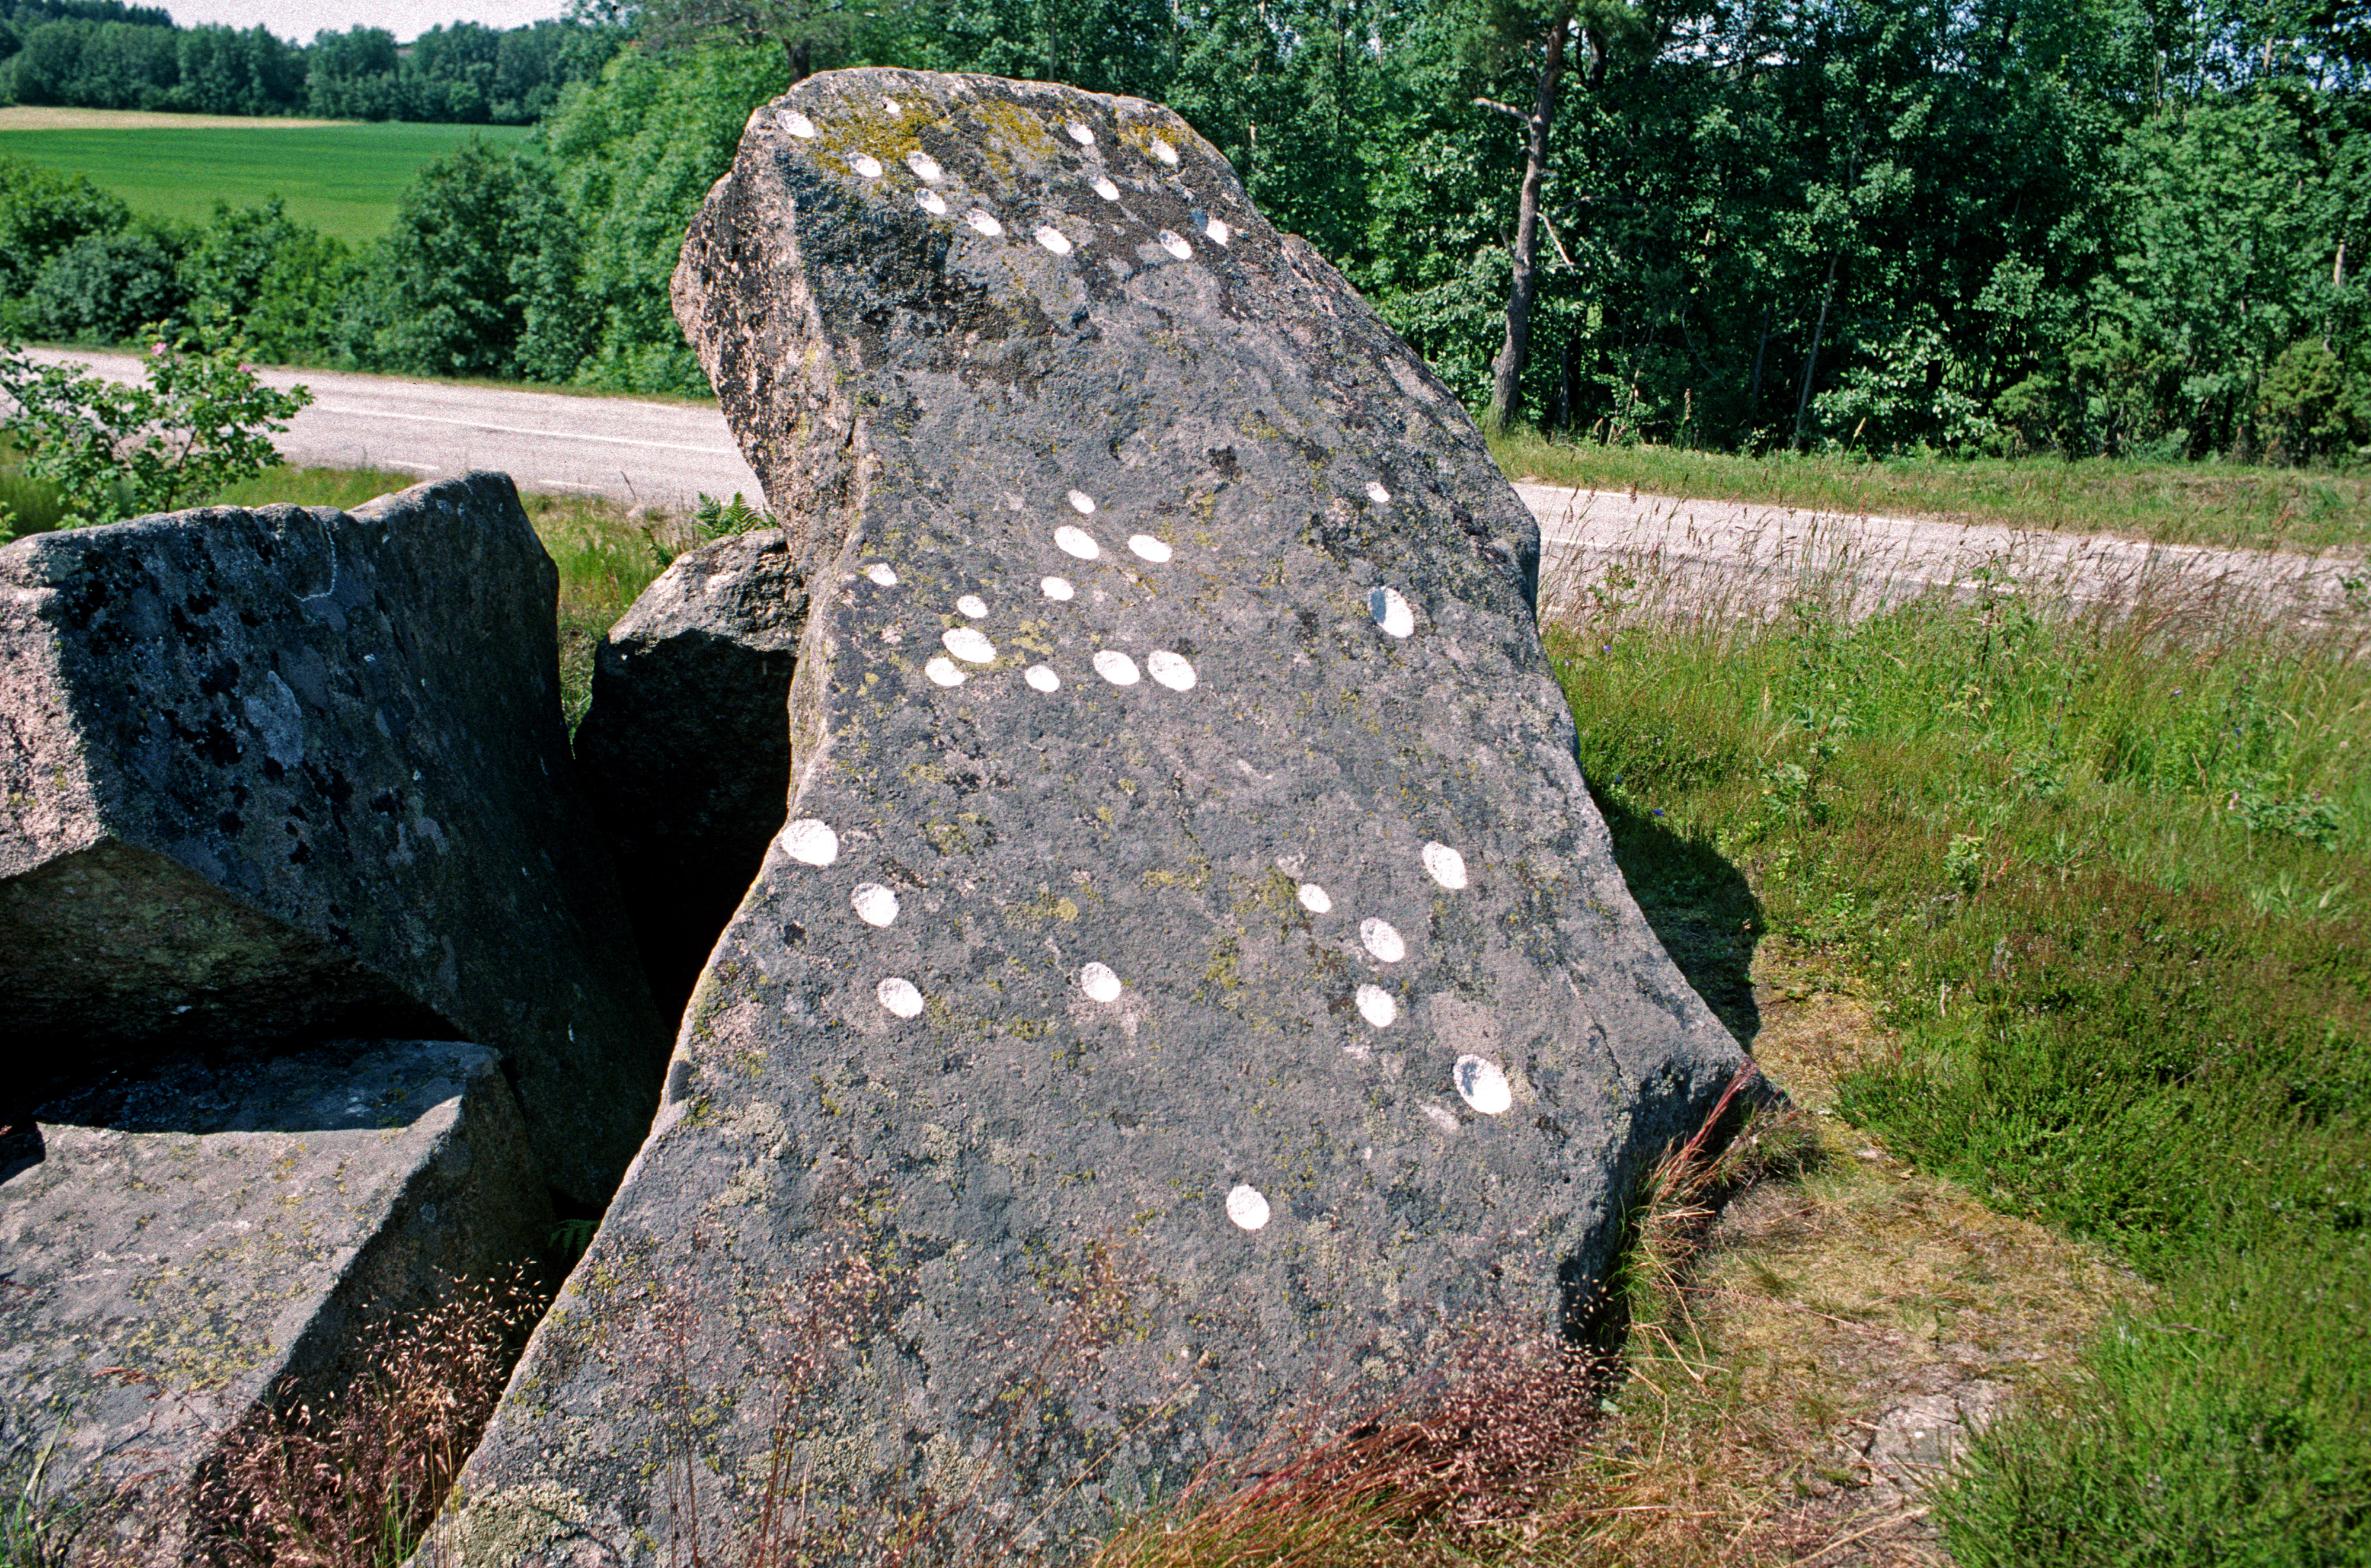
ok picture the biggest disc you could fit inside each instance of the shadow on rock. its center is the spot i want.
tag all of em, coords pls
(1701, 909)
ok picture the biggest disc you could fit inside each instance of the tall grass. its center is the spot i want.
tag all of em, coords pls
(2105, 875)
(350, 1476)
(2204, 503)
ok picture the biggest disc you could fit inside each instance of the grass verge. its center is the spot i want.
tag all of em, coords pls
(2199, 503)
(2102, 877)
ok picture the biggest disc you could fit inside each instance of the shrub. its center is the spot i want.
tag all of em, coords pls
(286, 282)
(476, 278)
(42, 213)
(103, 287)
(113, 450)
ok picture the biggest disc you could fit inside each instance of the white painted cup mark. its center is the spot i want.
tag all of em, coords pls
(1383, 939)
(1165, 151)
(1099, 983)
(1376, 1005)
(942, 672)
(983, 221)
(1041, 678)
(1391, 612)
(1315, 899)
(1082, 135)
(882, 572)
(1247, 1207)
(810, 842)
(932, 203)
(1481, 1084)
(966, 644)
(1171, 669)
(1217, 229)
(1376, 494)
(1075, 541)
(798, 125)
(1116, 667)
(1083, 503)
(898, 995)
(1059, 588)
(924, 166)
(1053, 239)
(876, 905)
(866, 165)
(1174, 243)
(1149, 548)
(1445, 865)
(893, 106)
(1106, 189)
(973, 605)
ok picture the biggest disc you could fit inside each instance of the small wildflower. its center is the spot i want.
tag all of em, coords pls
(156, 351)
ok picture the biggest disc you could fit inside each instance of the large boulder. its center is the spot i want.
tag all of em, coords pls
(685, 752)
(204, 1234)
(298, 773)
(1192, 979)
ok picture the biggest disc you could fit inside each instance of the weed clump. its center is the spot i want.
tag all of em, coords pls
(2099, 868)
(350, 1477)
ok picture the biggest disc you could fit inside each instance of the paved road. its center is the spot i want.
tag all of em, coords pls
(648, 454)
(1714, 553)
(1734, 558)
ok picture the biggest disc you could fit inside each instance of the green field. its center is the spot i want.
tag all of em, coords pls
(343, 179)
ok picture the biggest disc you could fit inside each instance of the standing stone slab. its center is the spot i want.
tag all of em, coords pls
(1193, 977)
(182, 1237)
(685, 752)
(297, 773)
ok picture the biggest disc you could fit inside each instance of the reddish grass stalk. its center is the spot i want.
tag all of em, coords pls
(352, 1478)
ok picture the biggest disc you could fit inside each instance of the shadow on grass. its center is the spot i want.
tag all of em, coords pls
(1700, 908)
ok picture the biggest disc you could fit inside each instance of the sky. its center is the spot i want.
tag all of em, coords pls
(299, 20)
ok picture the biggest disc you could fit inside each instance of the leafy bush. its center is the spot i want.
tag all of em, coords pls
(42, 213)
(633, 156)
(286, 284)
(477, 276)
(105, 287)
(115, 450)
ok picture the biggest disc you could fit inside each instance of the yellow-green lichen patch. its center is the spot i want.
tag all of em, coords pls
(510, 1525)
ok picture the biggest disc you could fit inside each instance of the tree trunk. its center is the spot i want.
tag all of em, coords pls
(1507, 370)
(1753, 397)
(1811, 360)
(1827, 297)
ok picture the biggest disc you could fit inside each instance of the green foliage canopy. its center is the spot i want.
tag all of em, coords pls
(2101, 228)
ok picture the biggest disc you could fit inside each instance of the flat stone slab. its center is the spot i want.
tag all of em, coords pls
(685, 752)
(178, 1239)
(300, 773)
(1193, 981)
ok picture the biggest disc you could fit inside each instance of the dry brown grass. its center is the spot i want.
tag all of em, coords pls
(350, 1477)
(1791, 1294)
(1813, 1307)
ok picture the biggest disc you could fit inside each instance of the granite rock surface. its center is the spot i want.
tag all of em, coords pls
(685, 752)
(297, 773)
(183, 1235)
(1193, 982)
